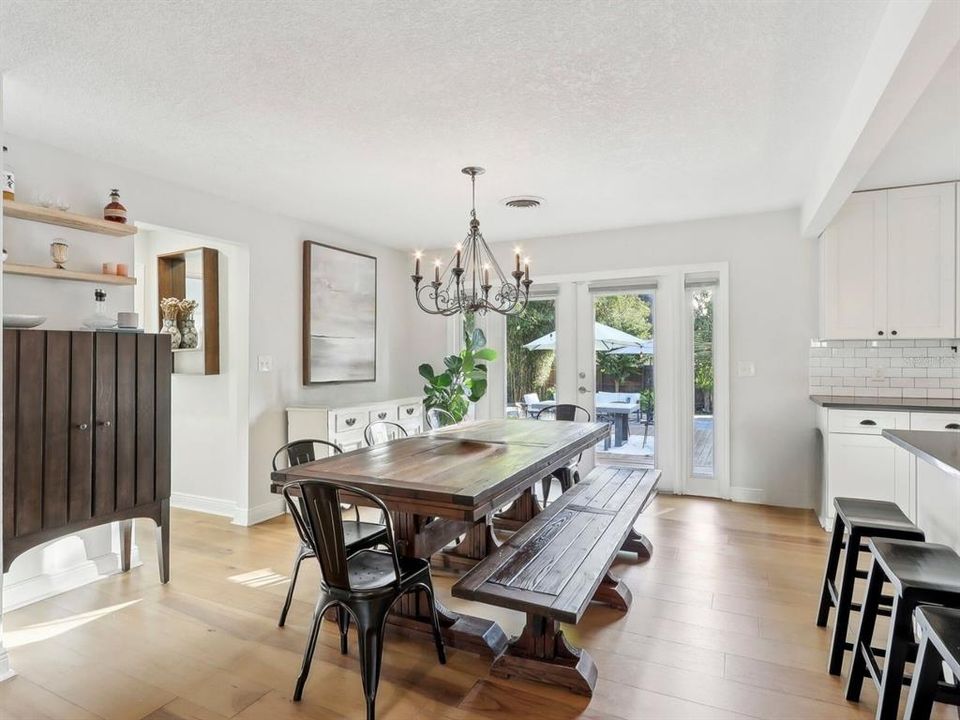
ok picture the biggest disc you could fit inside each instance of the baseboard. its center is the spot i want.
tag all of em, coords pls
(45, 585)
(6, 672)
(259, 513)
(201, 503)
(757, 496)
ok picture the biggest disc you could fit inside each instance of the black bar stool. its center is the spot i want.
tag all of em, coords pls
(921, 574)
(939, 643)
(860, 519)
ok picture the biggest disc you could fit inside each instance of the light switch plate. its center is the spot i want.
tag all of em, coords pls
(264, 363)
(746, 368)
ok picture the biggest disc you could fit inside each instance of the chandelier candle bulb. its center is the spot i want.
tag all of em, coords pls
(518, 261)
(436, 270)
(416, 270)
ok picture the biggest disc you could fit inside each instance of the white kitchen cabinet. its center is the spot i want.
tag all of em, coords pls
(853, 269)
(344, 426)
(921, 262)
(938, 504)
(889, 265)
(869, 466)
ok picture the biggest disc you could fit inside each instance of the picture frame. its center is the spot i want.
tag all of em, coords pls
(339, 315)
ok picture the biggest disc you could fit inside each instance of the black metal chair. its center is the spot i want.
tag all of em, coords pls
(569, 474)
(358, 535)
(381, 431)
(363, 585)
(939, 644)
(438, 418)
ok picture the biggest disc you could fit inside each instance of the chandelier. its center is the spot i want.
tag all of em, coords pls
(472, 281)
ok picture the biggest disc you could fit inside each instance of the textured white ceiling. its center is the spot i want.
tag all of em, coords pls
(359, 115)
(926, 146)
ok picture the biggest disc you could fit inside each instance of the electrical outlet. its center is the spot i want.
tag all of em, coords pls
(264, 363)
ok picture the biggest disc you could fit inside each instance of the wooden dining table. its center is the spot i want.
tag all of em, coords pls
(449, 483)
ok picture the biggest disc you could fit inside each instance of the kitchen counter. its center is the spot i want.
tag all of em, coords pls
(841, 402)
(939, 448)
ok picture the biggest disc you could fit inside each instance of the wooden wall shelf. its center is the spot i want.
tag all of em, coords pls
(58, 274)
(52, 216)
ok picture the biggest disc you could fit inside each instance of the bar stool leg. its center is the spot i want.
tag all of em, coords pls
(844, 600)
(830, 574)
(923, 689)
(868, 621)
(898, 642)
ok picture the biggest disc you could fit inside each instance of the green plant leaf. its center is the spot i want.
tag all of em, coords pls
(453, 363)
(478, 389)
(486, 354)
(426, 371)
(443, 380)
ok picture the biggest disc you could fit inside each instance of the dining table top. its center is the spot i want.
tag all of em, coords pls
(463, 471)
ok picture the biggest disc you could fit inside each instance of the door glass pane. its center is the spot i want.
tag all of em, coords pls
(701, 305)
(625, 350)
(531, 358)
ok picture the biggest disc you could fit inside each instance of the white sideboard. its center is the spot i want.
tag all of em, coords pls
(889, 265)
(344, 426)
(858, 462)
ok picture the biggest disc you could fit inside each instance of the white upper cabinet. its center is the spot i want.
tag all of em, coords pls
(921, 262)
(854, 269)
(889, 265)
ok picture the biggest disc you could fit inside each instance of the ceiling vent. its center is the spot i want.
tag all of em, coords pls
(522, 201)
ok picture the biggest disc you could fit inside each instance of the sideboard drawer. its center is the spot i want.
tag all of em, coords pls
(379, 414)
(934, 421)
(350, 421)
(411, 410)
(867, 422)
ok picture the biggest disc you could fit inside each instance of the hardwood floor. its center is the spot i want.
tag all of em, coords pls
(722, 627)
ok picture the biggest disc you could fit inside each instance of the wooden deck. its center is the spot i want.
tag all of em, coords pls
(637, 453)
(722, 627)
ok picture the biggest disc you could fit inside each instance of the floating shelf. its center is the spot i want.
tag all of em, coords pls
(58, 274)
(51, 216)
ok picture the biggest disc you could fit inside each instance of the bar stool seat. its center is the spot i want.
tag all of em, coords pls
(858, 519)
(920, 573)
(939, 643)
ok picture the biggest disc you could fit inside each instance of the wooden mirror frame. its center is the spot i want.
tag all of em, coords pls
(172, 282)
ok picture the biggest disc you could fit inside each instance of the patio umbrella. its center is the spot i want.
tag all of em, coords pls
(643, 347)
(606, 339)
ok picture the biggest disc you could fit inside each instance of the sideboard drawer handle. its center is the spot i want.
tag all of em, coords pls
(867, 422)
(411, 411)
(382, 415)
(350, 422)
(952, 426)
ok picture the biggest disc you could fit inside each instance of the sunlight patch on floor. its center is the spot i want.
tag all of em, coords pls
(264, 577)
(46, 630)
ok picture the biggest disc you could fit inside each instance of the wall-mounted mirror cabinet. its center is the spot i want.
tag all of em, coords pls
(183, 278)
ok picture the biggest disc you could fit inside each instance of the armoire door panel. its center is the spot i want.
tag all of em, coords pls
(56, 430)
(146, 418)
(126, 421)
(105, 412)
(81, 431)
(164, 373)
(29, 517)
(11, 352)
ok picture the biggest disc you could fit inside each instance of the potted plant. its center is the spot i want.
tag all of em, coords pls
(464, 380)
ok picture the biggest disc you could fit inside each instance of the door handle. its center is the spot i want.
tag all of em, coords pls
(952, 426)
(583, 390)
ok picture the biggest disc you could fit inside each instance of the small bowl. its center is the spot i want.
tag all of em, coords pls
(12, 320)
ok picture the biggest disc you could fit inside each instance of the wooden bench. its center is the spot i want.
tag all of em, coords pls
(554, 566)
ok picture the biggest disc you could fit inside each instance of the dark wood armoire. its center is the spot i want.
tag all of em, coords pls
(86, 436)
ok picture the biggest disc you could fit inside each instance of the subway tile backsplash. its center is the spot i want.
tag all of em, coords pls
(885, 368)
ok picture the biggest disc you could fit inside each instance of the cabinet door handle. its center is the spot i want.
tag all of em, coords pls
(411, 411)
(350, 422)
(952, 426)
(893, 332)
(879, 332)
(82, 426)
(382, 415)
(868, 422)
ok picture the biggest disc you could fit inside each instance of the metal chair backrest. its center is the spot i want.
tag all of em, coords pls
(565, 412)
(315, 508)
(438, 418)
(299, 452)
(377, 433)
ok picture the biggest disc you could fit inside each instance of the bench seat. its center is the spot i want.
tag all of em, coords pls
(555, 565)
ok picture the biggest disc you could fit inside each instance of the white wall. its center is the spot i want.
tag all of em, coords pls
(773, 294)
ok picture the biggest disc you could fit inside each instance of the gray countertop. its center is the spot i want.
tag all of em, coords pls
(870, 403)
(939, 448)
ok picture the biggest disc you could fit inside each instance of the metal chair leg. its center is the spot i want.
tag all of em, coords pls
(435, 620)
(323, 602)
(343, 621)
(302, 552)
(370, 617)
(545, 484)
